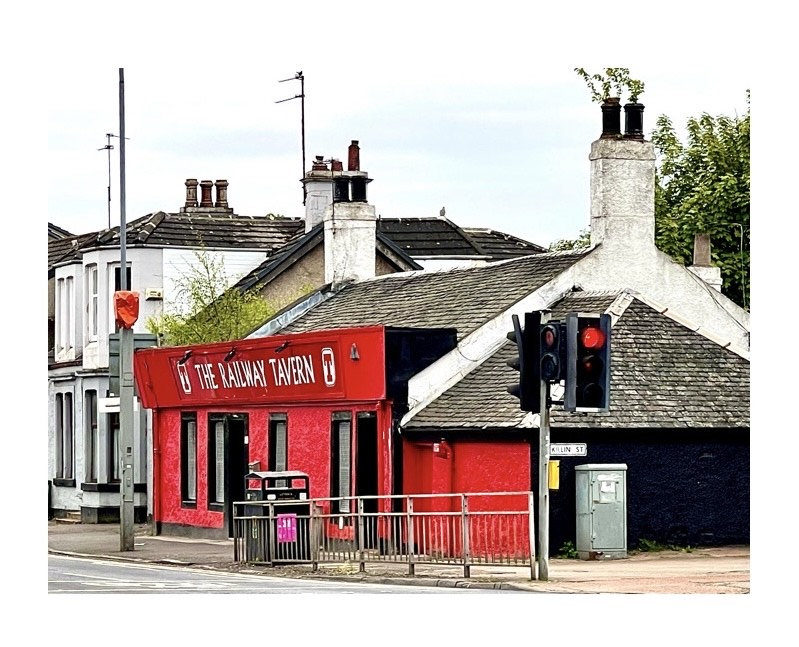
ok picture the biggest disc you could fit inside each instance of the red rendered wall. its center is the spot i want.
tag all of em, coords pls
(469, 467)
(309, 445)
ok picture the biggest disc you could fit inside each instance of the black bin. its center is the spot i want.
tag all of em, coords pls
(281, 528)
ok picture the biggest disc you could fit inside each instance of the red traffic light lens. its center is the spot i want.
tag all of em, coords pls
(591, 337)
(549, 337)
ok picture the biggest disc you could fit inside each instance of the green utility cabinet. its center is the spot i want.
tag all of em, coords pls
(601, 502)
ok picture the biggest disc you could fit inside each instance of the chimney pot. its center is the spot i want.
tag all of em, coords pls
(611, 118)
(205, 198)
(221, 193)
(353, 161)
(634, 121)
(337, 166)
(191, 193)
(319, 164)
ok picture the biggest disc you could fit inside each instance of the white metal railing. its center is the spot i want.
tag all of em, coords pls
(464, 529)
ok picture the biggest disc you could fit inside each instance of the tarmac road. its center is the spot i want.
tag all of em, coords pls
(717, 570)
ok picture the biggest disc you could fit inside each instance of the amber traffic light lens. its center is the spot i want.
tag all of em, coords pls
(590, 367)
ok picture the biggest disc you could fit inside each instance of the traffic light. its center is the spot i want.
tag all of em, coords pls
(587, 362)
(528, 389)
(552, 351)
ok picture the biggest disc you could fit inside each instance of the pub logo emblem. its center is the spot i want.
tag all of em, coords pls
(328, 366)
(185, 382)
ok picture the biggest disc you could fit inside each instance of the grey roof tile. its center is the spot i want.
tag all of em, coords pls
(461, 298)
(662, 375)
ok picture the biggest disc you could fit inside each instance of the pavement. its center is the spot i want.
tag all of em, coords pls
(723, 569)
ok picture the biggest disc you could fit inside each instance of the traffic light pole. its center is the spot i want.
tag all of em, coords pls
(126, 503)
(543, 484)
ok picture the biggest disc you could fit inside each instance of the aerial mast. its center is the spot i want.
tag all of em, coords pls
(300, 96)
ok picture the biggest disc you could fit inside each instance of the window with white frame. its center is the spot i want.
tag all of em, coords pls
(60, 314)
(64, 313)
(92, 304)
(65, 440)
(91, 435)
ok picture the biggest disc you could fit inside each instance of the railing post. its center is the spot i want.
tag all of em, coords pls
(361, 562)
(409, 538)
(271, 532)
(465, 536)
(314, 539)
(235, 535)
(531, 518)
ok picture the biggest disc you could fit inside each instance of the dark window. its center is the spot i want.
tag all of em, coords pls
(341, 461)
(118, 279)
(188, 459)
(113, 448)
(90, 434)
(117, 288)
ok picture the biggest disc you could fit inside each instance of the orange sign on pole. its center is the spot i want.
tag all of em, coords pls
(126, 308)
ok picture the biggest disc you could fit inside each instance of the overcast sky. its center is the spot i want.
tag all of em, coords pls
(480, 112)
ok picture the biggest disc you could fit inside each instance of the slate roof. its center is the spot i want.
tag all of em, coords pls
(460, 298)
(285, 238)
(214, 231)
(500, 246)
(301, 243)
(662, 375)
(421, 237)
(54, 231)
(60, 250)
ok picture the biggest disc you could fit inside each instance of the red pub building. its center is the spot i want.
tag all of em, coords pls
(325, 403)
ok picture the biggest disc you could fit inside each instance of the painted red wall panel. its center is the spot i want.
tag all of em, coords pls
(491, 467)
(319, 366)
(309, 444)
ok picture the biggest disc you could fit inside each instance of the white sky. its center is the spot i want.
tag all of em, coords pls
(478, 111)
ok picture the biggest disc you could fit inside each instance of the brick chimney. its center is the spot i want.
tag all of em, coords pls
(702, 264)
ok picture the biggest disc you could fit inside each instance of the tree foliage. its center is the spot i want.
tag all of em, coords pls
(581, 242)
(617, 78)
(205, 310)
(703, 187)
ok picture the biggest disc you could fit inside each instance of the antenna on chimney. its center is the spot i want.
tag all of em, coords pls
(300, 96)
(109, 147)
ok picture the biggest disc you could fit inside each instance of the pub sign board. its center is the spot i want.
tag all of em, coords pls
(318, 366)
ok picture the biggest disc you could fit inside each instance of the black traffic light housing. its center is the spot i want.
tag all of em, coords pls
(552, 351)
(587, 362)
(526, 361)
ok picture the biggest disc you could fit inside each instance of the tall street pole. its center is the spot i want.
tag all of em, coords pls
(125, 357)
(543, 477)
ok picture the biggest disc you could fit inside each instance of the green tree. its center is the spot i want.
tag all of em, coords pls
(703, 187)
(205, 310)
(581, 242)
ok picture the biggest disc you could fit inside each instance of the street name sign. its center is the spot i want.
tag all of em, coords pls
(568, 449)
